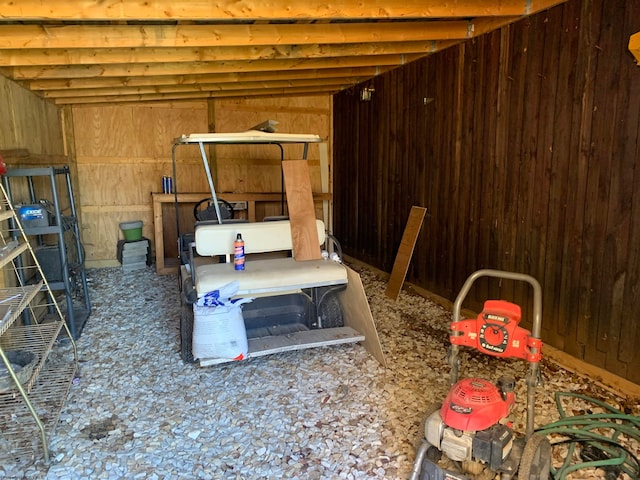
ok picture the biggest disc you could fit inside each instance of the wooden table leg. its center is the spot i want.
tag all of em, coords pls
(159, 240)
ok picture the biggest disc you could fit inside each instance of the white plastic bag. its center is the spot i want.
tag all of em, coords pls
(218, 326)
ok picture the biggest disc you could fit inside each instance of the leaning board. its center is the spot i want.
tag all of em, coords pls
(302, 212)
(405, 252)
(357, 314)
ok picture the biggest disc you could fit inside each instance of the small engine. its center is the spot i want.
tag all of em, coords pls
(470, 426)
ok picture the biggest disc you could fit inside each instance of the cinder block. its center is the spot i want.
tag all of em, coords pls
(134, 266)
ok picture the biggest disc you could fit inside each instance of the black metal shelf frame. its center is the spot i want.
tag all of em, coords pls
(66, 229)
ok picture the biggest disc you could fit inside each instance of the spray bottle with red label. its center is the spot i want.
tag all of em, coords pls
(238, 253)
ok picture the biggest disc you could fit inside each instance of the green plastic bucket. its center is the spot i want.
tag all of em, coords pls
(132, 230)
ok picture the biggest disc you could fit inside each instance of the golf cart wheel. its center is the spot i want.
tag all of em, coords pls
(330, 311)
(186, 332)
(535, 463)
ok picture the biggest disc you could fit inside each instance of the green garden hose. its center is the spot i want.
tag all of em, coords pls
(600, 440)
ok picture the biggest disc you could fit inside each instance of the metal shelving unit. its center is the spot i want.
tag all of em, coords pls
(58, 239)
(38, 360)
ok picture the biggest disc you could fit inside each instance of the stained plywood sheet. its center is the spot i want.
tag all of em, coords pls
(357, 314)
(405, 251)
(302, 212)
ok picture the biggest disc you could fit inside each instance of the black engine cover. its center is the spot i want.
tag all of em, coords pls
(492, 445)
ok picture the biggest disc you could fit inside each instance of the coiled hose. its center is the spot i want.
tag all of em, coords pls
(599, 440)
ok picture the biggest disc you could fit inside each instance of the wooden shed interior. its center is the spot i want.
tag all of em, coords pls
(514, 122)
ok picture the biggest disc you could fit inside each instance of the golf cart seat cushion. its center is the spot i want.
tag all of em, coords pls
(262, 276)
(271, 276)
(259, 237)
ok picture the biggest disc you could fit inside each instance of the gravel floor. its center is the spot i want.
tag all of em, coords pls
(329, 413)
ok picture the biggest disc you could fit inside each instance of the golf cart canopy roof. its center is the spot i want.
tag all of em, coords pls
(250, 136)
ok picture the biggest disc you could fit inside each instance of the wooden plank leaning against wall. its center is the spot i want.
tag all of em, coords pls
(123, 151)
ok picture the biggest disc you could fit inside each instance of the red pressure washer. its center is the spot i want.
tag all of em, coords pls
(471, 428)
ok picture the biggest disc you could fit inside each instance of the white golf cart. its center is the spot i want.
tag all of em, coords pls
(296, 304)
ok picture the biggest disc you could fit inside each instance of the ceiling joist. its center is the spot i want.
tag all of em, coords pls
(266, 92)
(117, 82)
(163, 10)
(197, 68)
(108, 56)
(202, 87)
(135, 36)
(117, 51)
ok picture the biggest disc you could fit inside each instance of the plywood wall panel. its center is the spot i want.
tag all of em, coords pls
(135, 131)
(27, 121)
(255, 175)
(158, 126)
(236, 163)
(30, 136)
(101, 232)
(104, 131)
(123, 152)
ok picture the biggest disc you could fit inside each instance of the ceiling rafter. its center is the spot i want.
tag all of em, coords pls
(204, 87)
(270, 92)
(162, 10)
(167, 80)
(135, 36)
(116, 51)
(141, 70)
(108, 56)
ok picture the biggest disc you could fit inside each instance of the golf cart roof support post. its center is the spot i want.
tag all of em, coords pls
(175, 195)
(205, 160)
(282, 178)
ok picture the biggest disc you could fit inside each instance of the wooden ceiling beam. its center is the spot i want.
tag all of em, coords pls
(116, 82)
(140, 70)
(136, 36)
(94, 51)
(107, 56)
(203, 87)
(116, 99)
(159, 10)
(484, 25)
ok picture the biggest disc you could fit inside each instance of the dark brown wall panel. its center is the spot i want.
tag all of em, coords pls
(523, 146)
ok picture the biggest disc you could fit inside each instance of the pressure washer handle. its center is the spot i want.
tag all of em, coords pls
(537, 294)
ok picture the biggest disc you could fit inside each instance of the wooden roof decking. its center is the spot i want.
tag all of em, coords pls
(116, 51)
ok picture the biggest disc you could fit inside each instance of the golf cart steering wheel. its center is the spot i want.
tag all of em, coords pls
(209, 213)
